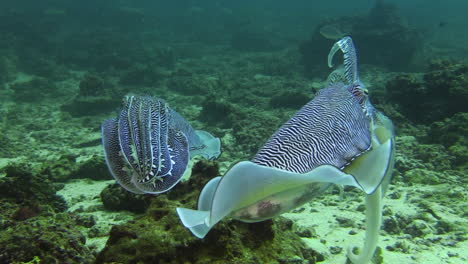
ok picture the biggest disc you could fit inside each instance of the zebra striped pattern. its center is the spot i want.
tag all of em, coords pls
(350, 58)
(331, 129)
(144, 151)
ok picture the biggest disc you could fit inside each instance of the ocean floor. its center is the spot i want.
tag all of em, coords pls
(425, 215)
(83, 198)
(337, 223)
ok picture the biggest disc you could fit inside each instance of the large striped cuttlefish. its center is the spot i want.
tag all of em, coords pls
(149, 145)
(336, 138)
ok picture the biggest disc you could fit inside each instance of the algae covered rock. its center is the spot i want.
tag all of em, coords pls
(95, 96)
(231, 242)
(440, 92)
(48, 237)
(23, 186)
(158, 236)
(71, 166)
(114, 197)
(452, 133)
(32, 222)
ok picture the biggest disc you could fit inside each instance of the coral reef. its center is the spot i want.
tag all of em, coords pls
(265, 242)
(114, 197)
(61, 76)
(32, 222)
(438, 93)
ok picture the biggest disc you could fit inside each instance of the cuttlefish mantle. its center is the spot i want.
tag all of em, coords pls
(148, 147)
(337, 138)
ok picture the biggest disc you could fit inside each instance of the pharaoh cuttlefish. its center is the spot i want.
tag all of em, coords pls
(337, 138)
(148, 147)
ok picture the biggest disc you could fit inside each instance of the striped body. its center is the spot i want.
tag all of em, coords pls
(147, 147)
(332, 129)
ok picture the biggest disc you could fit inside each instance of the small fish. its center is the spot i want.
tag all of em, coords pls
(148, 147)
(337, 138)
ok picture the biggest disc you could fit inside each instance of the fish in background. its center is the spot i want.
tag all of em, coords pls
(336, 138)
(149, 145)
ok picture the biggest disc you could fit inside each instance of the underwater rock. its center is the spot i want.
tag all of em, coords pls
(6, 145)
(24, 213)
(22, 185)
(95, 96)
(390, 225)
(94, 167)
(423, 176)
(170, 242)
(90, 105)
(345, 222)
(93, 85)
(231, 242)
(70, 166)
(418, 228)
(114, 197)
(439, 93)
(34, 224)
(48, 237)
(305, 231)
(217, 112)
(451, 132)
(418, 163)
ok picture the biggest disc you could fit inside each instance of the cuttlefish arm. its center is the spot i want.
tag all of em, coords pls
(373, 170)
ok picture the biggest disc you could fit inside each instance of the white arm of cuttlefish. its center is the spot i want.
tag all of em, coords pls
(373, 222)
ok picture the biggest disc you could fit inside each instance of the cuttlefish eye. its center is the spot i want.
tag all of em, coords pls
(359, 92)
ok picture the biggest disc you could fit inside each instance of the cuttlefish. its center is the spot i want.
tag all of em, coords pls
(149, 145)
(336, 138)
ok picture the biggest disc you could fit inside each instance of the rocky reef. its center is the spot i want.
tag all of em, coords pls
(33, 221)
(157, 236)
(439, 92)
(59, 204)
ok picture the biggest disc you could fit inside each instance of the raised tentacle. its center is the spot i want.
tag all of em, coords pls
(350, 58)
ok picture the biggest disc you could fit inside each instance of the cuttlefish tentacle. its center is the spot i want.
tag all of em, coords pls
(373, 222)
(350, 59)
(337, 138)
(382, 153)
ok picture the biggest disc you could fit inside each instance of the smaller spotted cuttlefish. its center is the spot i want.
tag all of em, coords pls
(149, 145)
(336, 138)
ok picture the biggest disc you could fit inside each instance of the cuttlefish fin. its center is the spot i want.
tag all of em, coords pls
(247, 183)
(211, 146)
(197, 220)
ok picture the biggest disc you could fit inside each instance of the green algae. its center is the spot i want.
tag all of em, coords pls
(158, 236)
(33, 222)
